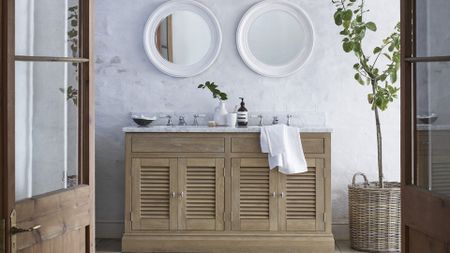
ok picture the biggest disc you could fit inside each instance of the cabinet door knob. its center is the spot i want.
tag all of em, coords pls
(282, 194)
(174, 194)
(181, 194)
(274, 194)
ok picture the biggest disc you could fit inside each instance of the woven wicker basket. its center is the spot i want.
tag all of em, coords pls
(374, 216)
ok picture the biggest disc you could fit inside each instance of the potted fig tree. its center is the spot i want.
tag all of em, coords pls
(374, 207)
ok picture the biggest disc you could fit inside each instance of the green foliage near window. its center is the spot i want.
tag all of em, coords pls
(214, 90)
(72, 34)
(378, 68)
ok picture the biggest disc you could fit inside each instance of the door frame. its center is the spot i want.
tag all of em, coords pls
(7, 155)
(7, 115)
(416, 203)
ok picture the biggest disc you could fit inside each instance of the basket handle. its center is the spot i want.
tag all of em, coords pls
(366, 182)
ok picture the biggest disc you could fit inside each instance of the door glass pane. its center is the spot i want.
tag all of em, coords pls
(47, 27)
(46, 127)
(433, 126)
(432, 27)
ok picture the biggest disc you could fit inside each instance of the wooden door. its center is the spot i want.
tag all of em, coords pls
(254, 195)
(47, 127)
(201, 191)
(301, 199)
(154, 196)
(425, 154)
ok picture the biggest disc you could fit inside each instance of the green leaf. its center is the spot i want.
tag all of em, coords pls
(371, 26)
(347, 46)
(359, 79)
(338, 18)
(347, 15)
(393, 76)
(377, 50)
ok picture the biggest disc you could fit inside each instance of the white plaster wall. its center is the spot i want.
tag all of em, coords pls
(126, 81)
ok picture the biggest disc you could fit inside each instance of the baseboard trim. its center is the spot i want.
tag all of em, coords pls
(341, 230)
(109, 229)
(113, 229)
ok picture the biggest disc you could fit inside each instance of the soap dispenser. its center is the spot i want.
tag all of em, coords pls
(242, 114)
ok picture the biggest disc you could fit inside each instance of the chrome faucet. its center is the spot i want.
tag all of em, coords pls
(289, 117)
(181, 121)
(169, 119)
(275, 120)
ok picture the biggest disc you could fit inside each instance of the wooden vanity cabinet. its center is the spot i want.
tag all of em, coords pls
(214, 192)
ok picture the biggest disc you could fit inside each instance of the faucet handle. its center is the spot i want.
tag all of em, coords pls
(196, 116)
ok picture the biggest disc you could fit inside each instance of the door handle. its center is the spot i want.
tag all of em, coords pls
(16, 230)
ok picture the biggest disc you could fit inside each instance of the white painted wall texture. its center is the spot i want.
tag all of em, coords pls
(126, 81)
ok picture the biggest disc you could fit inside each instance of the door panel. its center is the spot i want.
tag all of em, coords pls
(63, 217)
(254, 193)
(201, 185)
(46, 153)
(154, 203)
(301, 206)
(71, 242)
(425, 67)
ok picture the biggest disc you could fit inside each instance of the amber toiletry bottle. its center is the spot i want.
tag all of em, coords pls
(242, 114)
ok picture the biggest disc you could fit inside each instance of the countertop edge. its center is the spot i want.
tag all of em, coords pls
(175, 129)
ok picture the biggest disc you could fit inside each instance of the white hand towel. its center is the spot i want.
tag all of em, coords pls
(284, 148)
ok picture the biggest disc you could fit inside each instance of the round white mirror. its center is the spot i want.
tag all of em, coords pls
(182, 38)
(275, 38)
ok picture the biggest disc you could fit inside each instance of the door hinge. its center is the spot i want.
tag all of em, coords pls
(131, 216)
(2, 236)
(324, 215)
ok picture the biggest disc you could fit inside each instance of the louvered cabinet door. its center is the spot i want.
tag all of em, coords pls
(254, 202)
(201, 186)
(154, 206)
(301, 199)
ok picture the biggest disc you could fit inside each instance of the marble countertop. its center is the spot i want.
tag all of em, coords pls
(206, 129)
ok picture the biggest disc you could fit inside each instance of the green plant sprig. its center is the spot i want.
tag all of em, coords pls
(214, 90)
(350, 16)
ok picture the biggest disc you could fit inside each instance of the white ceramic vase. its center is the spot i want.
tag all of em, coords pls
(220, 114)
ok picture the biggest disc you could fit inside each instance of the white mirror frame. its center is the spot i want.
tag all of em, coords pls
(242, 38)
(178, 70)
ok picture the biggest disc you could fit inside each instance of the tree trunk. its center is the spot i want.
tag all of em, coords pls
(379, 140)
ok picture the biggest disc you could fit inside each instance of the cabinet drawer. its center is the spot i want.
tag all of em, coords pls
(142, 144)
(252, 145)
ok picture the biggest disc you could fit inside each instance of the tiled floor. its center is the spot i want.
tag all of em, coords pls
(113, 246)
